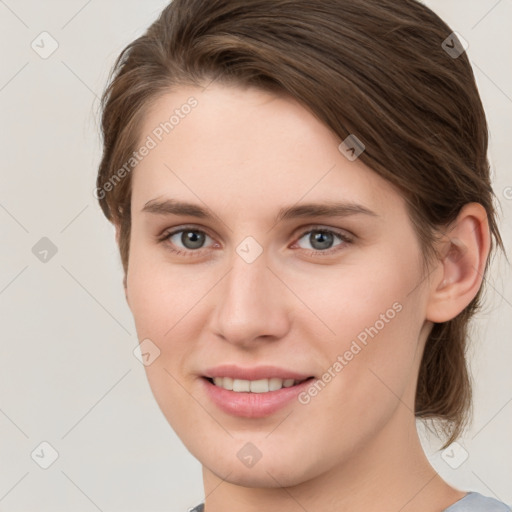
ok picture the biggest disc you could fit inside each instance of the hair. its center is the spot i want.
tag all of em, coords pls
(373, 68)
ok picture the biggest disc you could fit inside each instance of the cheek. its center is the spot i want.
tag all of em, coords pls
(159, 293)
(165, 301)
(378, 360)
(161, 304)
(363, 301)
(372, 355)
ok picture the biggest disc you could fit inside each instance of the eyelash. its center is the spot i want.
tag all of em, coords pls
(345, 239)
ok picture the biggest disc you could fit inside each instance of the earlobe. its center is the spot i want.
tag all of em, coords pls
(465, 250)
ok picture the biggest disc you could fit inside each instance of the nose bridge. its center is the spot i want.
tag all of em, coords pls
(250, 304)
(246, 281)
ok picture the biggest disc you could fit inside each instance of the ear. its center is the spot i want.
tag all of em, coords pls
(459, 274)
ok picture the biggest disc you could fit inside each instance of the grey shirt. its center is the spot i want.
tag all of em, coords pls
(472, 502)
(476, 502)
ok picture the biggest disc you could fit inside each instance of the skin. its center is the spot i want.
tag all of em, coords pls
(246, 153)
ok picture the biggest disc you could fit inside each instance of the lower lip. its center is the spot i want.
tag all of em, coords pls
(252, 405)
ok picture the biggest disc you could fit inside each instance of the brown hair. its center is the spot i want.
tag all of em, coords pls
(373, 68)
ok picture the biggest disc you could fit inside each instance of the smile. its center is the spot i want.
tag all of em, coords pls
(254, 386)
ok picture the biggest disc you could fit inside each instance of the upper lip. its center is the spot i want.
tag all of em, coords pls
(253, 373)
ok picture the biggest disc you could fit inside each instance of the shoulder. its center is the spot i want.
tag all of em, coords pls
(476, 502)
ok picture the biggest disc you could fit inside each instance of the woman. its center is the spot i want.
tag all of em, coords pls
(304, 213)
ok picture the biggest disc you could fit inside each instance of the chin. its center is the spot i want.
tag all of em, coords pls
(260, 476)
(274, 469)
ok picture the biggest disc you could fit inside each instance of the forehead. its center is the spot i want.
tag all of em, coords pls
(249, 148)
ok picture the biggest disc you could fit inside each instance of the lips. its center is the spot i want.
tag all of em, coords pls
(252, 392)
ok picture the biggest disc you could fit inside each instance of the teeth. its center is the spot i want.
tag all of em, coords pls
(259, 386)
(274, 384)
(253, 386)
(241, 385)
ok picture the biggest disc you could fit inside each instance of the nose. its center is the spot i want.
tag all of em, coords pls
(253, 304)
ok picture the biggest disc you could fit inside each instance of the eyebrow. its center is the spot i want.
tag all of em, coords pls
(327, 209)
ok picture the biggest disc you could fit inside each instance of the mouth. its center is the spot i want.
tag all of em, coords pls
(253, 392)
(255, 386)
(259, 397)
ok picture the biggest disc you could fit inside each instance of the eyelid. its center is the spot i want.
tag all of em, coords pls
(177, 229)
(343, 233)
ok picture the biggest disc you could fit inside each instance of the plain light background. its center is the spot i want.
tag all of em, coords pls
(68, 375)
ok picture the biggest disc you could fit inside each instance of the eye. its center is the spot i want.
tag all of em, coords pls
(322, 240)
(191, 240)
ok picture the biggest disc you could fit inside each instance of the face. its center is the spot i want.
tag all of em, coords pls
(294, 277)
